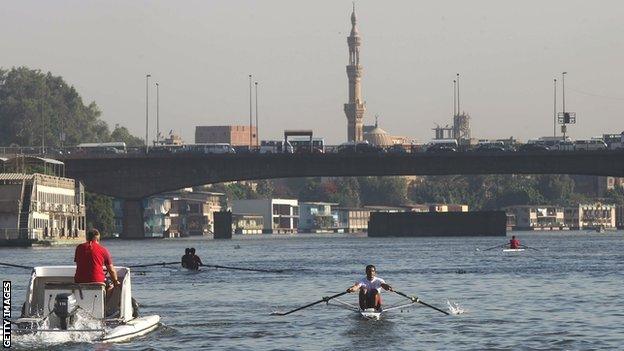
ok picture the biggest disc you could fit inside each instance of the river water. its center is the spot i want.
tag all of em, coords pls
(569, 295)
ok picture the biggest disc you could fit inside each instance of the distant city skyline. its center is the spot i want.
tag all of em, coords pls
(201, 54)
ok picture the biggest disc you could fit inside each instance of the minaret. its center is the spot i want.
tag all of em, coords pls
(355, 108)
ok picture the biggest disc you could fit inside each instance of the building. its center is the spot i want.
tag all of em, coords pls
(352, 220)
(355, 108)
(529, 217)
(243, 223)
(156, 216)
(317, 217)
(448, 208)
(233, 135)
(40, 208)
(376, 136)
(591, 216)
(619, 216)
(461, 128)
(192, 212)
(278, 215)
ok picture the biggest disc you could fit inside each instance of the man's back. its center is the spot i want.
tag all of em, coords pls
(89, 258)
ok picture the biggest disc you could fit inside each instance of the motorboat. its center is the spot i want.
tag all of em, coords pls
(54, 303)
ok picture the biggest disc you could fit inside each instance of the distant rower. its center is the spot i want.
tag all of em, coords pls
(186, 259)
(370, 289)
(194, 261)
(514, 243)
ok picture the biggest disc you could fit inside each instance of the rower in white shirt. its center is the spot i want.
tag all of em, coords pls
(370, 289)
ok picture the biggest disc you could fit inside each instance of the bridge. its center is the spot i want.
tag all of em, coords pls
(133, 177)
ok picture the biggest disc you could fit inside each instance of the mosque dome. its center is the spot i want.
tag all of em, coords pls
(378, 136)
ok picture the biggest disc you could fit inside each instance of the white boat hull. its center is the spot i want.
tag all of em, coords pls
(370, 313)
(131, 329)
(513, 250)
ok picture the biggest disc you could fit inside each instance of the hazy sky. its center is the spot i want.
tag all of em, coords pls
(201, 53)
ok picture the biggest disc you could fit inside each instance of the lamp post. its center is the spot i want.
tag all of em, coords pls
(257, 134)
(454, 98)
(157, 114)
(458, 108)
(563, 127)
(250, 114)
(555, 109)
(147, 77)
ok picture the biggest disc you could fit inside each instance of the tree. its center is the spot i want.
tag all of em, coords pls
(122, 134)
(389, 191)
(100, 213)
(34, 105)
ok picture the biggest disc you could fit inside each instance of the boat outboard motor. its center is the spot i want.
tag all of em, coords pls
(65, 307)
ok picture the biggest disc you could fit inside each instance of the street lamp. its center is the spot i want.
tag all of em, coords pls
(250, 114)
(555, 109)
(147, 77)
(157, 114)
(563, 127)
(257, 134)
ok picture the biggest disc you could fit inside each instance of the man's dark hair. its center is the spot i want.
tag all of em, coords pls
(192, 250)
(92, 233)
(370, 266)
(187, 251)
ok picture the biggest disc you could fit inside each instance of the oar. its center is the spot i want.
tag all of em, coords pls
(494, 247)
(325, 299)
(529, 247)
(245, 269)
(415, 299)
(153, 264)
(15, 265)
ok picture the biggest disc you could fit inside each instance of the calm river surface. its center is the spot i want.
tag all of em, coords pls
(567, 296)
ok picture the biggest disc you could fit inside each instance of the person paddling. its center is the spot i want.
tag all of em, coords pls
(370, 289)
(514, 243)
(186, 259)
(194, 260)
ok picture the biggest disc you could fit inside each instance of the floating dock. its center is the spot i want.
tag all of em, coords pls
(423, 224)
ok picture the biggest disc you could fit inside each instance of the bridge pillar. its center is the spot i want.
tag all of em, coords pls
(133, 220)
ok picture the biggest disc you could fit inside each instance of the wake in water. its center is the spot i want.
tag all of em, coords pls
(45, 339)
(454, 307)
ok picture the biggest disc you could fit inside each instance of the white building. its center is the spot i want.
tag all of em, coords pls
(279, 215)
(40, 208)
(529, 217)
(317, 217)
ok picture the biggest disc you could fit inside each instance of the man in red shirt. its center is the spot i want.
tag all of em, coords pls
(90, 257)
(514, 243)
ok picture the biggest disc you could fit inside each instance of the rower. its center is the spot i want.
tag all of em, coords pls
(194, 260)
(514, 243)
(370, 289)
(186, 259)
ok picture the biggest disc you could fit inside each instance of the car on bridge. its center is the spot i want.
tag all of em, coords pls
(589, 145)
(442, 145)
(212, 148)
(532, 147)
(359, 148)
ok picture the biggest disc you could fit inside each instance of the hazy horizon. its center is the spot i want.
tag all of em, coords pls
(201, 54)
